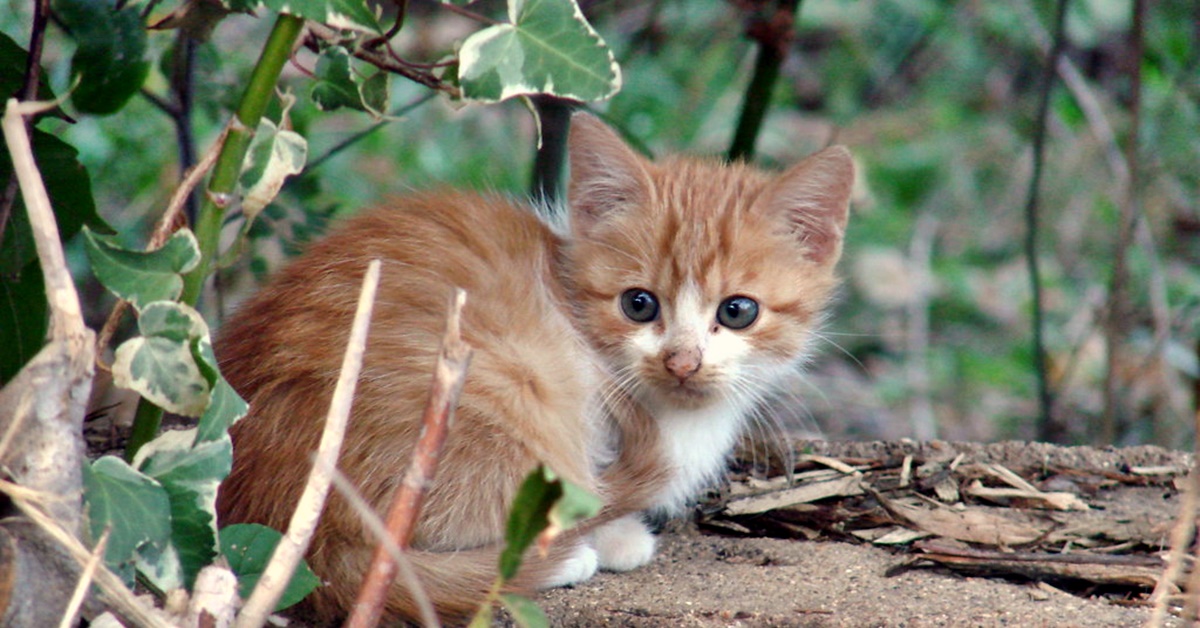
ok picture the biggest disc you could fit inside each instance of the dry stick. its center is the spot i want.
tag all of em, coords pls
(378, 528)
(117, 594)
(1181, 532)
(162, 230)
(448, 378)
(304, 520)
(85, 582)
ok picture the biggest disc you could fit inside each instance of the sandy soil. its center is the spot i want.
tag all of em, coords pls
(706, 580)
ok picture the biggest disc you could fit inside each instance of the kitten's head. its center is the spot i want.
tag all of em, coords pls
(700, 281)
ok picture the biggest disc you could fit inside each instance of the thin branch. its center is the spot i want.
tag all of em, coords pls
(303, 524)
(448, 377)
(346, 143)
(29, 92)
(378, 529)
(1119, 314)
(1181, 534)
(133, 608)
(550, 159)
(85, 581)
(1049, 429)
(383, 60)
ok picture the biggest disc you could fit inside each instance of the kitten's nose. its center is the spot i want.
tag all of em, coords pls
(682, 363)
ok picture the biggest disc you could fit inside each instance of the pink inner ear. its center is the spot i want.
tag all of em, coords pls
(605, 173)
(814, 198)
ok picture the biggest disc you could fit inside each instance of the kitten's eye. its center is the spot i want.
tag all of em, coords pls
(737, 312)
(639, 305)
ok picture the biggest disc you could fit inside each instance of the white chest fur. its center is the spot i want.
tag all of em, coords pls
(697, 443)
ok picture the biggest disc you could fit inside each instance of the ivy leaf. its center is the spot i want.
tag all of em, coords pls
(110, 59)
(248, 548)
(337, 85)
(352, 15)
(134, 507)
(224, 409)
(12, 73)
(161, 364)
(142, 277)
(548, 48)
(70, 190)
(24, 317)
(190, 475)
(274, 155)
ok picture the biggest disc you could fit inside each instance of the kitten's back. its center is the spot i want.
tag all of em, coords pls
(524, 400)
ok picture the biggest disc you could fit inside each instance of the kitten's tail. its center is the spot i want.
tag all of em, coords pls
(457, 582)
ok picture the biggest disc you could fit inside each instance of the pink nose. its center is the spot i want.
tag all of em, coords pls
(682, 363)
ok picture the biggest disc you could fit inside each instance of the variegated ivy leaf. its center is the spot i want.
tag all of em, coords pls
(190, 472)
(133, 507)
(338, 85)
(142, 277)
(273, 156)
(161, 364)
(548, 48)
(354, 15)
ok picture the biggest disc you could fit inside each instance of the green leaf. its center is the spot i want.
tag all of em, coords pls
(352, 15)
(12, 73)
(528, 517)
(574, 506)
(70, 191)
(546, 504)
(161, 364)
(142, 277)
(190, 475)
(548, 48)
(524, 611)
(225, 408)
(135, 507)
(273, 156)
(24, 317)
(110, 59)
(248, 548)
(338, 85)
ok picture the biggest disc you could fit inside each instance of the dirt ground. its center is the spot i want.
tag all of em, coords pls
(702, 579)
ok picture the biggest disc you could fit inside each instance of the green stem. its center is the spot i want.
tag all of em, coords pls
(241, 130)
(221, 186)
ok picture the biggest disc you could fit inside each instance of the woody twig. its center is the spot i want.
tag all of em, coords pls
(402, 517)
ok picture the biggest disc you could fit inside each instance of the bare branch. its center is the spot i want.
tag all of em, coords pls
(295, 542)
(448, 377)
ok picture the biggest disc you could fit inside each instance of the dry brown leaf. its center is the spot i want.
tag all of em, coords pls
(972, 524)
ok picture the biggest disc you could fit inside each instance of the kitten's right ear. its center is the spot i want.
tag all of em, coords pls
(605, 174)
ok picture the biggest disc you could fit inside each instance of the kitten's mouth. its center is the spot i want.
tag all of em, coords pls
(686, 391)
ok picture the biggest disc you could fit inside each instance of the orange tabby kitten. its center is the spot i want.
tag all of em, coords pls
(626, 354)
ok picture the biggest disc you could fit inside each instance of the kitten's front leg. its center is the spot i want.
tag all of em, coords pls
(624, 544)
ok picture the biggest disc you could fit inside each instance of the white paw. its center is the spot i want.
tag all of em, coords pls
(579, 567)
(624, 544)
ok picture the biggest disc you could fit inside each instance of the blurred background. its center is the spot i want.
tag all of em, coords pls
(939, 101)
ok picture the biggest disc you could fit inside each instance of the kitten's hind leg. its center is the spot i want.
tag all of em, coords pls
(581, 564)
(624, 544)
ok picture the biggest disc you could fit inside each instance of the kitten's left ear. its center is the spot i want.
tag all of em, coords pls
(813, 198)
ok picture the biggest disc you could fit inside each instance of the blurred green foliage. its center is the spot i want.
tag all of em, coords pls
(937, 101)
